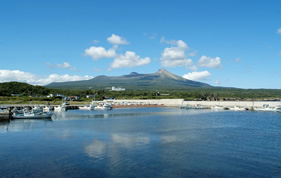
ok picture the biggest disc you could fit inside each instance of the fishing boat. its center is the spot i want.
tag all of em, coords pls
(87, 107)
(265, 107)
(217, 107)
(61, 107)
(33, 114)
(237, 108)
(278, 108)
(103, 106)
(4, 113)
(199, 106)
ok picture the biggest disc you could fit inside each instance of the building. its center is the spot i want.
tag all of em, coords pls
(118, 89)
(56, 96)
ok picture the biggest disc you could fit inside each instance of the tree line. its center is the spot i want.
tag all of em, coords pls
(9, 88)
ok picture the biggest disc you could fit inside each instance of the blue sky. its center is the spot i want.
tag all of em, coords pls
(231, 43)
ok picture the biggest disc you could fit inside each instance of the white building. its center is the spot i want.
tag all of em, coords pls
(118, 89)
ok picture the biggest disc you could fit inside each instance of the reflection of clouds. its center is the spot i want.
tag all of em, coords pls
(21, 125)
(130, 140)
(96, 149)
(169, 139)
(65, 134)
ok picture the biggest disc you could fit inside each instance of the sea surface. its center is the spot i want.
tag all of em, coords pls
(143, 142)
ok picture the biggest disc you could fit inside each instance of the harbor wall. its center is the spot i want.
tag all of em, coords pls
(181, 102)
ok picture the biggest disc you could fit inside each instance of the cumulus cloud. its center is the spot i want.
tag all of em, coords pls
(177, 62)
(129, 59)
(194, 68)
(61, 78)
(192, 53)
(279, 31)
(171, 42)
(237, 60)
(21, 76)
(175, 56)
(17, 75)
(100, 52)
(64, 65)
(117, 40)
(197, 75)
(209, 62)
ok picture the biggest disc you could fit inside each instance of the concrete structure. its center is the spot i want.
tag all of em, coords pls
(181, 102)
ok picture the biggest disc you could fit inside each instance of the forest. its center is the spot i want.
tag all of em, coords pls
(215, 93)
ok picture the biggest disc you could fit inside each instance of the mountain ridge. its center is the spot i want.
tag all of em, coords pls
(162, 79)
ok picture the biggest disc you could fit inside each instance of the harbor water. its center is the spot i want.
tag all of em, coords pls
(143, 142)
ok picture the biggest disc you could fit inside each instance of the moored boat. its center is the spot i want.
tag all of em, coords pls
(33, 115)
(87, 107)
(103, 106)
(237, 108)
(265, 107)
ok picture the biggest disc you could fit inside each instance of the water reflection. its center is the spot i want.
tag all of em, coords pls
(96, 149)
(18, 125)
(169, 139)
(4, 125)
(129, 141)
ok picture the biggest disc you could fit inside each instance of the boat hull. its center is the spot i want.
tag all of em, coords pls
(43, 116)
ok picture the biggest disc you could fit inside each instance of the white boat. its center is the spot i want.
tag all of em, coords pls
(216, 107)
(199, 106)
(278, 108)
(47, 108)
(237, 108)
(33, 115)
(87, 107)
(62, 107)
(103, 106)
(265, 107)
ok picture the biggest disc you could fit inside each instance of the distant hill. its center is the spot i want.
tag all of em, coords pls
(8, 88)
(161, 80)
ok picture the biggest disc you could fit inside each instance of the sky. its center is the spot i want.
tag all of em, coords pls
(228, 43)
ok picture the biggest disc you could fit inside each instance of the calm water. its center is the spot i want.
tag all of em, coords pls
(143, 142)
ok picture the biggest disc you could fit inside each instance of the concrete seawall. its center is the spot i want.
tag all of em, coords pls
(181, 102)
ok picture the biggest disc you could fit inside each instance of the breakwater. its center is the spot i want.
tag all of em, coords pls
(181, 102)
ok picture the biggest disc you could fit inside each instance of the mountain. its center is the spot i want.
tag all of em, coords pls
(160, 80)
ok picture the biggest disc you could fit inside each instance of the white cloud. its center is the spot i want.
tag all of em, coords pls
(129, 59)
(95, 41)
(205, 61)
(177, 62)
(171, 42)
(21, 76)
(217, 82)
(194, 68)
(193, 53)
(61, 78)
(117, 40)
(64, 65)
(100, 52)
(175, 56)
(17, 75)
(279, 31)
(197, 75)
(238, 60)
